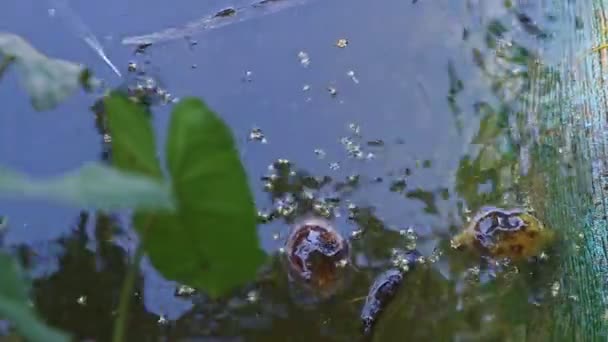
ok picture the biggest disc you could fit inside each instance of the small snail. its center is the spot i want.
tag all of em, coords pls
(382, 292)
(501, 233)
(316, 255)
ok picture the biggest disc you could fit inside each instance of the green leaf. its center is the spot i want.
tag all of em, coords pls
(14, 305)
(212, 244)
(133, 143)
(48, 81)
(92, 185)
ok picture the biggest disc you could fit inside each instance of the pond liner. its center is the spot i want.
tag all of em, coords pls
(570, 146)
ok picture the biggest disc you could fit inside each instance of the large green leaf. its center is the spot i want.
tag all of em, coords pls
(93, 185)
(213, 243)
(133, 143)
(14, 305)
(48, 81)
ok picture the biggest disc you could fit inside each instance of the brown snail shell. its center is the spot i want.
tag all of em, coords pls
(500, 233)
(316, 255)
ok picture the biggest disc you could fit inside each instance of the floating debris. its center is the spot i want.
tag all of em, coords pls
(352, 76)
(248, 76)
(216, 20)
(141, 49)
(320, 153)
(342, 43)
(555, 289)
(306, 87)
(227, 12)
(376, 143)
(184, 291)
(355, 128)
(253, 296)
(304, 58)
(162, 320)
(332, 91)
(82, 300)
(504, 233)
(314, 249)
(132, 67)
(256, 134)
(334, 166)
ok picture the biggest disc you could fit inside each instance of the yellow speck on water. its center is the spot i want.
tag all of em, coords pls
(342, 43)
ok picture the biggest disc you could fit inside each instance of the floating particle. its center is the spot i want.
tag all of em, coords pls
(355, 234)
(355, 128)
(248, 76)
(323, 209)
(184, 291)
(352, 76)
(226, 12)
(256, 134)
(192, 42)
(82, 300)
(342, 43)
(334, 166)
(320, 153)
(376, 143)
(304, 58)
(162, 320)
(555, 289)
(253, 296)
(264, 216)
(332, 91)
(132, 67)
(353, 149)
(141, 48)
(286, 208)
(276, 236)
(342, 263)
(306, 87)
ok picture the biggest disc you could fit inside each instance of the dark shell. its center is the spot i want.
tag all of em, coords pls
(381, 293)
(316, 253)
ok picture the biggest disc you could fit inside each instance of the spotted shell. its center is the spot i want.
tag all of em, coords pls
(501, 233)
(316, 253)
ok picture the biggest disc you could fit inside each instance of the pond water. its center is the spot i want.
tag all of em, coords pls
(397, 120)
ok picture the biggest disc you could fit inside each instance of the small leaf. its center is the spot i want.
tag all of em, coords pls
(14, 305)
(48, 81)
(133, 143)
(93, 185)
(213, 243)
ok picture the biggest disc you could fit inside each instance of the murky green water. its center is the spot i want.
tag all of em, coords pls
(397, 138)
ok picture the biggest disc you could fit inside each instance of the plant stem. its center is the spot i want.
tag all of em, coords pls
(126, 296)
(6, 61)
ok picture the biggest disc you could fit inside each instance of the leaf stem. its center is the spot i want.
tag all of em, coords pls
(6, 61)
(125, 296)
